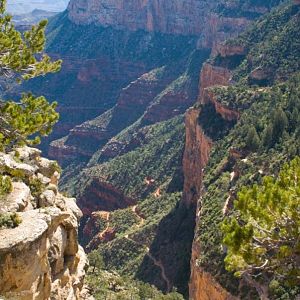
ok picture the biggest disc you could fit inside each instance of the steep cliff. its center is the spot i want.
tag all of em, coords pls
(40, 257)
(228, 97)
(93, 77)
(172, 17)
(168, 16)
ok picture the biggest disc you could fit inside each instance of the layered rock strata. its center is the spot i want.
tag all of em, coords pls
(40, 258)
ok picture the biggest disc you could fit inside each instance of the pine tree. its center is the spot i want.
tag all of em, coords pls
(295, 119)
(252, 139)
(280, 123)
(267, 136)
(262, 236)
(22, 58)
(95, 260)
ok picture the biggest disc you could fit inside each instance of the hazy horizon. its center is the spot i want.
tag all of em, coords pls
(26, 6)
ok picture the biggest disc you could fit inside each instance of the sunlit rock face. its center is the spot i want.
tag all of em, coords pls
(177, 17)
(41, 258)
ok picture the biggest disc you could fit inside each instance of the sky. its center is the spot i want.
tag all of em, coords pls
(25, 6)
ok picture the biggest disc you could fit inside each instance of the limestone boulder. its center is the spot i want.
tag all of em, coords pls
(18, 200)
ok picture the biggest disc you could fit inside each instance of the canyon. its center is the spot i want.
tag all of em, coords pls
(149, 99)
(147, 140)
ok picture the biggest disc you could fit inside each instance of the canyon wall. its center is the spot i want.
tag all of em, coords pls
(40, 258)
(192, 17)
(196, 157)
(203, 286)
(175, 17)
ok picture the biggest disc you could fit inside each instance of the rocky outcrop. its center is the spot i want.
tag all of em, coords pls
(40, 258)
(102, 196)
(211, 76)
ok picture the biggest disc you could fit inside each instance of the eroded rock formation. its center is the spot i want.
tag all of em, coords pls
(40, 258)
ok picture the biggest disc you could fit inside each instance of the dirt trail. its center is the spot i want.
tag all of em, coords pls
(140, 217)
(159, 264)
(156, 262)
(102, 234)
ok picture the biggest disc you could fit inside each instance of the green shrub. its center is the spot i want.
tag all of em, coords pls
(36, 187)
(5, 185)
(9, 220)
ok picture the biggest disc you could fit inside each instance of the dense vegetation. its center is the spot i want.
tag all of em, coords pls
(273, 45)
(156, 158)
(117, 262)
(244, 8)
(149, 172)
(264, 138)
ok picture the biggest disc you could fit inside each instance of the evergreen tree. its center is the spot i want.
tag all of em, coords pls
(95, 260)
(295, 119)
(22, 58)
(252, 139)
(280, 123)
(262, 236)
(267, 136)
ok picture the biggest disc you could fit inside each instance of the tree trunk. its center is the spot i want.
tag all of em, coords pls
(262, 290)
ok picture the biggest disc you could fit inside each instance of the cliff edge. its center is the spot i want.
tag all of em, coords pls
(40, 257)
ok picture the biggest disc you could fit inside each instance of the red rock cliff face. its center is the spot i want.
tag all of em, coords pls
(202, 285)
(195, 158)
(198, 145)
(212, 76)
(189, 17)
(169, 16)
(102, 196)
